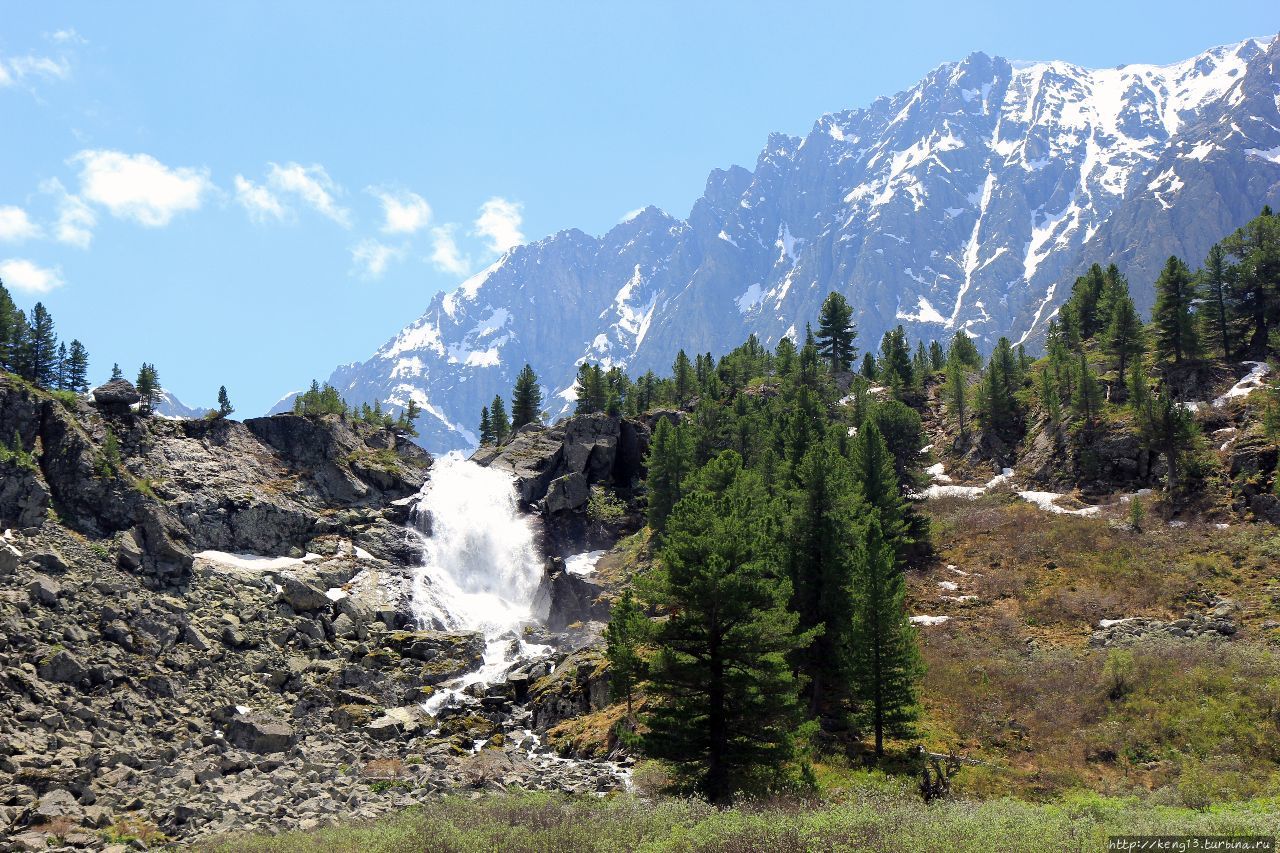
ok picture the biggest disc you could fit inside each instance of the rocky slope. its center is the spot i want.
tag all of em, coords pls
(969, 201)
(210, 633)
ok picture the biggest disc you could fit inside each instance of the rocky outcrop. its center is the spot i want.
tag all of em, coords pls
(116, 396)
(1217, 622)
(579, 685)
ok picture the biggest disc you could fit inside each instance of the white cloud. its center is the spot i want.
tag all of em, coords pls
(445, 253)
(500, 221)
(16, 226)
(260, 202)
(372, 258)
(140, 187)
(404, 212)
(18, 68)
(632, 215)
(76, 219)
(23, 275)
(67, 36)
(313, 186)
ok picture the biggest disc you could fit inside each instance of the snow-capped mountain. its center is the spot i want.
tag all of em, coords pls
(167, 405)
(969, 201)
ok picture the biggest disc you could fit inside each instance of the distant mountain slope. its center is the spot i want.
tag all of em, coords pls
(169, 406)
(969, 201)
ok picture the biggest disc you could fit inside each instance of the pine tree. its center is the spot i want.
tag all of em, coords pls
(409, 417)
(724, 701)
(77, 368)
(1255, 282)
(10, 336)
(39, 349)
(498, 420)
(937, 356)
(1123, 336)
(963, 349)
(869, 369)
(683, 376)
(1048, 392)
(486, 427)
(626, 632)
(116, 372)
(1087, 401)
(1216, 277)
(60, 371)
(526, 400)
(1169, 428)
(895, 360)
(670, 462)
(592, 392)
(836, 333)
(224, 402)
(148, 386)
(886, 661)
(1175, 329)
(823, 534)
(874, 473)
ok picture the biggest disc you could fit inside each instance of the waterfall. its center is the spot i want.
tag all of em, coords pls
(480, 566)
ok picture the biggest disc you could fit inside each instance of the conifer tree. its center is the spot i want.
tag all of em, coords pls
(592, 391)
(10, 336)
(670, 463)
(148, 386)
(823, 536)
(886, 661)
(1087, 401)
(116, 372)
(526, 400)
(895, 360)
(1168, 428)
(683, 376)
(486, 427)
(1175, 329)
(873, 472)
(869, 368)
(626, 632)
(39, 349)
(1255, 283)
(1048, 392)
(498, 420)
(724, 701)
(836, 333)
(224, 402)
(77, 368)
(1122, 338)
(1216, 277)
(963, 349)
(60, 371)
(937, 356)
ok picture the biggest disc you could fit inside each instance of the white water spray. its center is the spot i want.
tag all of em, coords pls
(480, 568)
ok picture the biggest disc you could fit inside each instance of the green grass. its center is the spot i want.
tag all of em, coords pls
(870, 819)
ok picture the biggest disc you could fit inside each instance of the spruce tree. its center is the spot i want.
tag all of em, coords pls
(874, 473)
(869, 368)
(963, 349)
(724, 701)
(39, 349)
(1255, 282)
(486, 427)
(683, 376)
(526, 400)
(116, 372)
(886, 661)
(77, 368)
(1169, 428)
(836, 333)
(498, 420)
(1216, 277)
(148, 386)
(9, 331)
(1175, 328)
(1123, 336)
(626, 632)
(224, 402)
(1048, 393)
(1087, 401)
(937, 356)
(895, 360)
(670, 462)
(60, 371)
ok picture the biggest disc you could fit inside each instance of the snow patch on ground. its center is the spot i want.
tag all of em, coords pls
(928, 620)
(254, 562)
(1246, 386)
(584, 563)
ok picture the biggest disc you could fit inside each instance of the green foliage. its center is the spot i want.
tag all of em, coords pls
(1175, 330)
(109, 463)
(627, 631)
(224, 402)
(896, 368)
(604, 507)
(17, 453)
(148, 386)
(526, 399)
(724, 701)
(670, 463)
(836, 333)
(499, 424)
(319, 400)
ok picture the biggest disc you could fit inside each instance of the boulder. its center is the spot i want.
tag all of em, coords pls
(129, 555)
(9, 559)
(118, 393)
(24, 500)
(301, 596)
(567, 493)
(259, 733)
(44, 590)
(62, 667)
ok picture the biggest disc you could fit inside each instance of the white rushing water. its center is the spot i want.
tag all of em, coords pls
(480, 568)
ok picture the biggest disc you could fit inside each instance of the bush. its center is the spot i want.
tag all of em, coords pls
(604, 507)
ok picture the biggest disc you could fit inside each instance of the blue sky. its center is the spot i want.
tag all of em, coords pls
(251, 193)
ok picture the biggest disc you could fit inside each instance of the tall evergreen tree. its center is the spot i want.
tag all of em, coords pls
(224, 402)
(895, 360)
(593, 394)
(1169, 428)
(724, 701)
(873, 472)
(526, 400)
(1216, 278)
(117, 373)
(1255, 285)
(670, 463)
(486, 426)
(937, 356)
(886, 661)
(1048, 393)
(1175, 329)
(10, 334)
(626, 632)
(1123, 335)
(1087, 401)
(63, 364)
(148, 386)
(836, 333)
(77, 368)
(683, 376)
(823, 535)
(963, 349)
(498, 420)
(957, 394)
(39, 349)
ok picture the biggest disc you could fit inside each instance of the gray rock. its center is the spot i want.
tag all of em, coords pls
(44, 590)
(567, 493)
(259, 733)
(61, 666)
(118, 393)
(302, 596)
